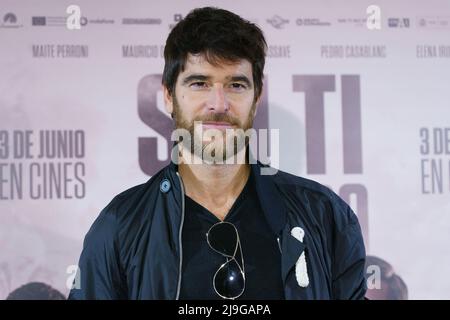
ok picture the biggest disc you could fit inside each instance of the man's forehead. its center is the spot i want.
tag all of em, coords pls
(199, 63)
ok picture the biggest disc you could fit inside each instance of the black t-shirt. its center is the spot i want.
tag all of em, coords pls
(262, 257)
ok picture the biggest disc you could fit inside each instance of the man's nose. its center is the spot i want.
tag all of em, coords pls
(217, 100)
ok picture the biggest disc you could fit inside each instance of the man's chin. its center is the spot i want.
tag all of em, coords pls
(217, 154)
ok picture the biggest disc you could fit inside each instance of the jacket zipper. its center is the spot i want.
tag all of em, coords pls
(180, 238)
(279, 245)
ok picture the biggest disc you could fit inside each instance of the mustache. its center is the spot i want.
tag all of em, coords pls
(219, 117)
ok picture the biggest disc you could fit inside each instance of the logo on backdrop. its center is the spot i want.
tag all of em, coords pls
(141, 21)
(73, 21)
(40, 21)
(277, 22)
(10, 21)
(398, 22)
(433, 22)
(312, 22)
(177, 17)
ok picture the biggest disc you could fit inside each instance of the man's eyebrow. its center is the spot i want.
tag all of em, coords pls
(195, 77)
(202, 77)
(242, 78)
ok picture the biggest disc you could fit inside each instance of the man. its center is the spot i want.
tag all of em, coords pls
(208, 228)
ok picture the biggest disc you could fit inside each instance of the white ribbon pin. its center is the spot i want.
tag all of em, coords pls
(301, 272)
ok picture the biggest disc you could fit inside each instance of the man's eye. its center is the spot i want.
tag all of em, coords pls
(198, 84)
(238, 86)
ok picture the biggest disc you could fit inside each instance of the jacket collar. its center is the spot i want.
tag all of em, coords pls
(269, 197)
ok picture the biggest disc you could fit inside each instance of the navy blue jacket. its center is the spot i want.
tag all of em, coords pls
(134, 251)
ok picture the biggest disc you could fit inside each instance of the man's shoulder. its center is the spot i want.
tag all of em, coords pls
(130, 201)
(290, 182)
(320, 201)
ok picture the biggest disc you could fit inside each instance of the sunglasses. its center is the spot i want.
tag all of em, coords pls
(229, 279)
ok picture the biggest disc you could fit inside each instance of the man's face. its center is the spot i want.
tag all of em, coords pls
(220, 96)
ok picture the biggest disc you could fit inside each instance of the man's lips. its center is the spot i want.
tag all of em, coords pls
(216, 125)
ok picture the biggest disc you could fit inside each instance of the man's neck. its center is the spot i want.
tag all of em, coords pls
(215, 187)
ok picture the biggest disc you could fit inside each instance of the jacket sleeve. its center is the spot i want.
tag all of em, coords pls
(348, 281)
(99, 275)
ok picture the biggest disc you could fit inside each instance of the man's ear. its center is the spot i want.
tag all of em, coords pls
(168, 100)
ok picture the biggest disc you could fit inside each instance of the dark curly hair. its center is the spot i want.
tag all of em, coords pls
(397, 289)
(36, 291)
(221, 36)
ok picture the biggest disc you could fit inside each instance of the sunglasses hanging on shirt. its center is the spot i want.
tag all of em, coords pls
(229, 279)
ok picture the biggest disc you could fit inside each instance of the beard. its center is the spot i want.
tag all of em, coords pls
(223, 144)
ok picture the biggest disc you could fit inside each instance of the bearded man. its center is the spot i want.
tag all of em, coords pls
(212, 224)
